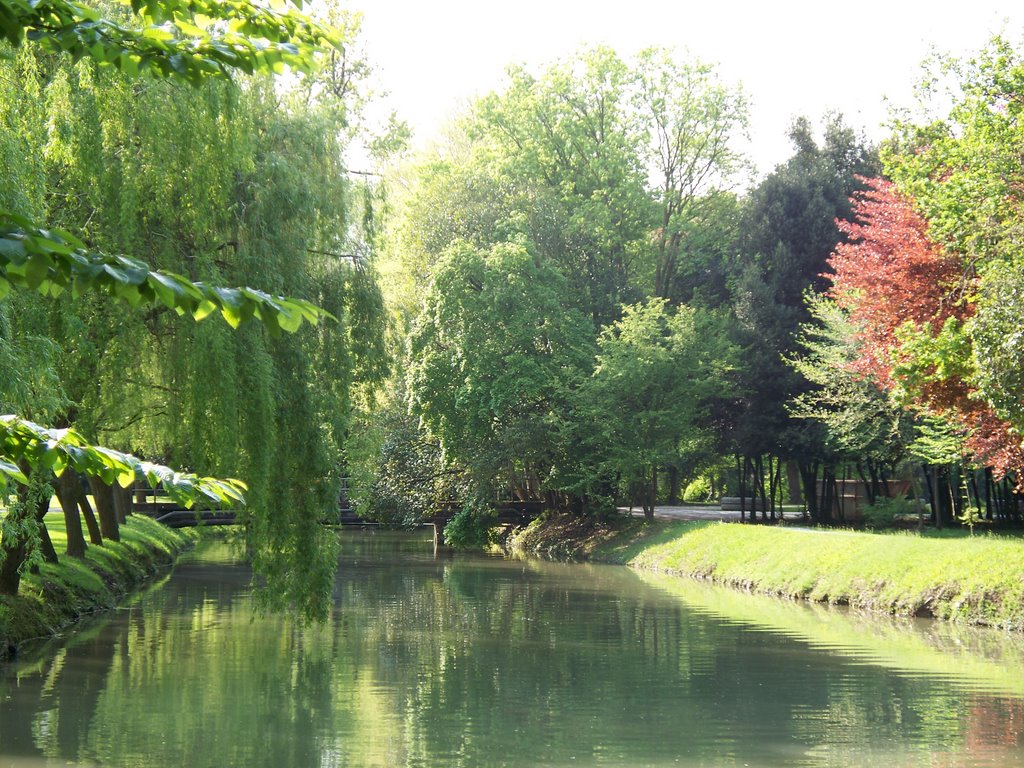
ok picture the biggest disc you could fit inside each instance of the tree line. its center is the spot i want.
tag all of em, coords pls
(157, 131)
(591, 310)
(572, 300)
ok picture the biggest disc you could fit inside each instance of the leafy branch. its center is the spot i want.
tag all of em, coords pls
(53, 261)
(60, 449)
(189, 40)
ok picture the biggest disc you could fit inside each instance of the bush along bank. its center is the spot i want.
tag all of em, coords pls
(59, 594)
(969, 579)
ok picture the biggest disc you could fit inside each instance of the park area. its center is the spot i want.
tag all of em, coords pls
(614, 308)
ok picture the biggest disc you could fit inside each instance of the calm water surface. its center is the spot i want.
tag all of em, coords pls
(482, 661)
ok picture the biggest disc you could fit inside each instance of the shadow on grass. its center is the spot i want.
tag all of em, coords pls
(638, 536)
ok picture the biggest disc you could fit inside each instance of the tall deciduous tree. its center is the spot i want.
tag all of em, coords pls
(492, 355)
(889, 273)
(570, 140)
(615, 169)
(658, 370)
(960, 163)
(863, 424)
(692, 122)
(911, 301)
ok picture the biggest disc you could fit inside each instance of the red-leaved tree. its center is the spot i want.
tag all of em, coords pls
(890, 274)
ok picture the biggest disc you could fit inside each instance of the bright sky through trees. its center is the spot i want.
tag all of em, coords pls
(792, 58)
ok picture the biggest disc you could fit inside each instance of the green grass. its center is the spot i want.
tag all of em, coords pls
(58, 595)
(978, 580)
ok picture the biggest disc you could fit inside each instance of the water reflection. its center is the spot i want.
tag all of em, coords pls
(478, 661)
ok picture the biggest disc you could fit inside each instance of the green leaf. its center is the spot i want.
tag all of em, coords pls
(166, 288)
(12, 250)
(204, 309)
(36, 269)
(12, 471)
(126, 478)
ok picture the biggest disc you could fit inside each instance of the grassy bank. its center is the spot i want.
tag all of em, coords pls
(60, 594)
(977, 580)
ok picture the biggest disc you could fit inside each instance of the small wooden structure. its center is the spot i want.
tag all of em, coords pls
(852, 497)
(149, 502)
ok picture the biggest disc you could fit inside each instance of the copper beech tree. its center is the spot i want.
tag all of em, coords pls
(910, 300)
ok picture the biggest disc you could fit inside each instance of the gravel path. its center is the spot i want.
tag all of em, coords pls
(695, 513)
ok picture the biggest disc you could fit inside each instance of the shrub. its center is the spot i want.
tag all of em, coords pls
(471, 527)
(698, 490)
(883, 513)
(391, 511)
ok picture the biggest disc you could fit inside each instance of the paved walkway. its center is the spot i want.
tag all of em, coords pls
(687, 512)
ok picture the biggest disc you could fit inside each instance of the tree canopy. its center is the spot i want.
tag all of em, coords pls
(224, 183)
(191, 41)
(852, 299)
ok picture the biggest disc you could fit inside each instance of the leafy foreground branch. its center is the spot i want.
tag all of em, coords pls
(25, 443)
(173, 38)
(972, 580)
(52, 261)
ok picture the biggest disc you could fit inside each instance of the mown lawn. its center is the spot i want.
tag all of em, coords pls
(977, 579)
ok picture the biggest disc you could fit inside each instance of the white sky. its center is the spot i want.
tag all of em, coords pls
(792, 57)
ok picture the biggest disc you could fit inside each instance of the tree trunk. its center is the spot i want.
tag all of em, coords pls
(972, 481)
(103, 495)
(12, 550)
(68, 487)
(916, 490)
(46, 546)
(760, 488)
(741, 472)
(936, 496)
(828, 486)
(809, 482)
(793, 477)
(45, 543)
(868, 484)
(775, 483)
(673, 485)
(841, 497)
(122, 502)
(95, 536)
(651, 494)
(884, 479)
(989, 487)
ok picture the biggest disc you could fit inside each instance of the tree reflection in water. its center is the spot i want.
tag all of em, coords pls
(472, 660)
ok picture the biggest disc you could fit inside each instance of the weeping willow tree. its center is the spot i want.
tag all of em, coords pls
(229, 183)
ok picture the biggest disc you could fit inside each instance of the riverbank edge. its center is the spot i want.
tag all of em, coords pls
(976, 580)
(61, 594)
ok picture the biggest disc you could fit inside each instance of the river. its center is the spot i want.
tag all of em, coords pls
(474, 660)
